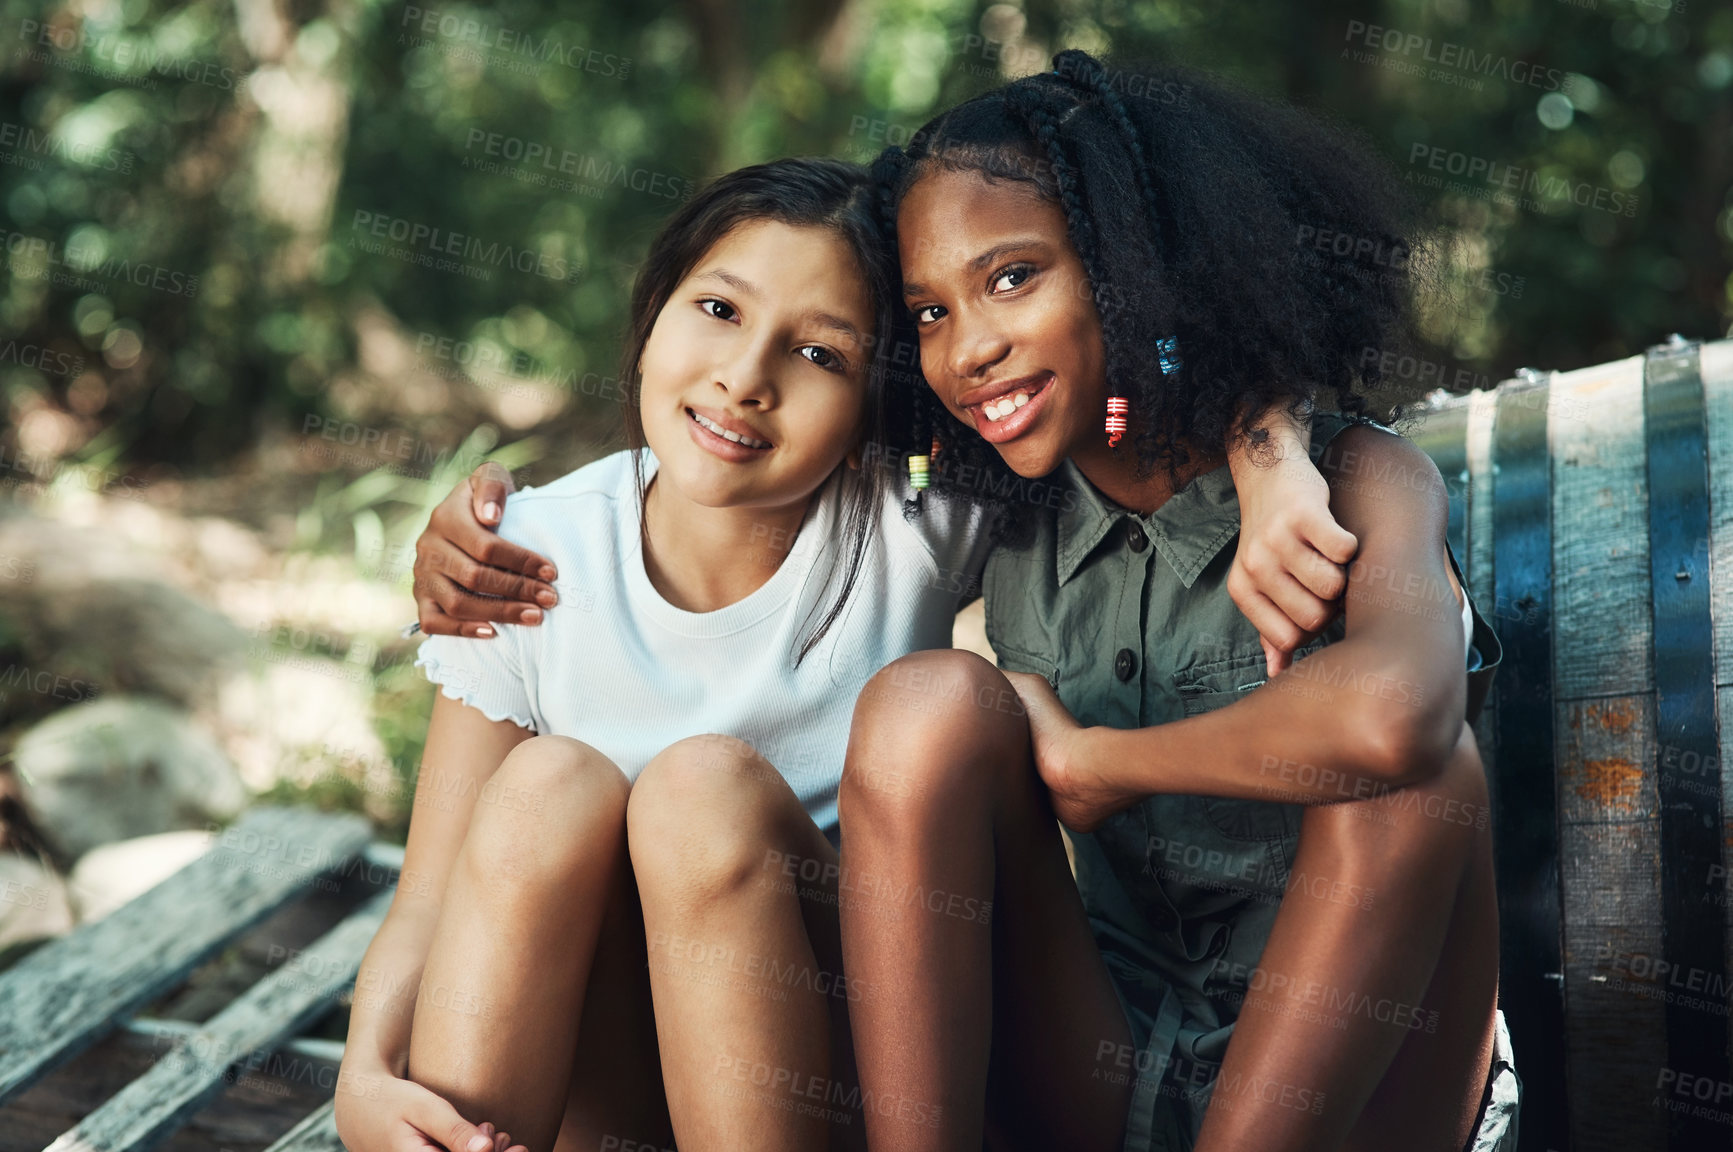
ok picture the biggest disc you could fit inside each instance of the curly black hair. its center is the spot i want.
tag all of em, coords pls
(1197, 210)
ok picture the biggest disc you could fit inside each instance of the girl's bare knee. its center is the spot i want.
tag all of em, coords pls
(932, 729)
(703, 818)
(553, 808)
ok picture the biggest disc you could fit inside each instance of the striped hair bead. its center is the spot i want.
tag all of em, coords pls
(1117, 407)
(918, 471)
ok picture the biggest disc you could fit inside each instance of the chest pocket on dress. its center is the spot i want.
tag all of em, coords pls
(1216, 684)
(1014, 660)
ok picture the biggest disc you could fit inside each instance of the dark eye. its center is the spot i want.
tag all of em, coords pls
(921, 316)
(824, 357)
(1018, 273)
(726, 309)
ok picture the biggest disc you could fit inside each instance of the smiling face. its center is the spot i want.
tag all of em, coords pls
(754, 375)
(1010, 338)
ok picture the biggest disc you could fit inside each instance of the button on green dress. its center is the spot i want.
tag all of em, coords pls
(1129, 617)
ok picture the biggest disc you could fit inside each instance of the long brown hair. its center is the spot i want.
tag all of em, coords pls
(802, 192)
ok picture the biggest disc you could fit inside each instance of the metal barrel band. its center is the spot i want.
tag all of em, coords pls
(1524, 788)
(1693, 944)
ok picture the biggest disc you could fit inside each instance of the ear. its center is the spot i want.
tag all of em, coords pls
(853, 459)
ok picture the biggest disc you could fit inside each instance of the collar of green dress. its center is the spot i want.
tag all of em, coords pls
(1189, 530)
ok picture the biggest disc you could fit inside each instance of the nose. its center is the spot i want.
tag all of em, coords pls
(975, 347)
(749, 377)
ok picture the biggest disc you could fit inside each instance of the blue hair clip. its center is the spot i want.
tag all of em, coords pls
(1167, 352)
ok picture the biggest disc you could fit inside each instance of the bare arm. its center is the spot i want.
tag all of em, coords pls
(464, 748)
(1381, 708)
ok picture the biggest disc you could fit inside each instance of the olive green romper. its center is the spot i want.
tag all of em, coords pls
(1129, 617)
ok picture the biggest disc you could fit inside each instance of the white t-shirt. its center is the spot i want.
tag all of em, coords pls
(618, 667)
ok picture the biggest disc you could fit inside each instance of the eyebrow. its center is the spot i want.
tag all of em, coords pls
(738, 283)
(980, 262)
(741, 284)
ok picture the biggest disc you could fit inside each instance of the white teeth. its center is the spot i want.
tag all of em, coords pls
(996, 410)
(727, 435)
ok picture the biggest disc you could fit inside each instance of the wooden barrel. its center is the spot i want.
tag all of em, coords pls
(1594, 513)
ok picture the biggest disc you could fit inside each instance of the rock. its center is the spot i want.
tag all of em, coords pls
(109, 876)
(298, 718)
(121, 767)
(97, 609)
(33, 901)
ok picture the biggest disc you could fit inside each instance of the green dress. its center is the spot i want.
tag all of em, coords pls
(1129, 617)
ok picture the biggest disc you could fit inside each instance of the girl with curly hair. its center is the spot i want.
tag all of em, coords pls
(1283, 928)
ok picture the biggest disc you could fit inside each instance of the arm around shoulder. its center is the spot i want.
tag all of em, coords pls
(1403, 649)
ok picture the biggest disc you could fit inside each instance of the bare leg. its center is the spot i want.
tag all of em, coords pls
(1462, 998)
(958, 905)
(616, 1090)
(739, 890)
(1372, 1023)
(497, 1014)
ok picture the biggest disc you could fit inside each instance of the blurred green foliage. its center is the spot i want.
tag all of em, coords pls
(190, 190)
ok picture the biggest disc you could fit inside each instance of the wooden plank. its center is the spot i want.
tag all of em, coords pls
(193, 1071)
(1476, 556)
(1479, 411)
(1442, 434)
(159, 1033)
(1482, 415)
(66, 995)
(1717, 365)
(1601, 532)
(1610, 848)
(257, 1108)
(317, 1133)
(1716, 362)
(1609, 984)
(1609, 860)
(1606, 751)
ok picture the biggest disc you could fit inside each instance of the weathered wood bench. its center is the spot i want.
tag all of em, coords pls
(72, 993)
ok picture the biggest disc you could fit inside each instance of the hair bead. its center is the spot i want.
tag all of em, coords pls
(1117, 407)
(919, 471)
